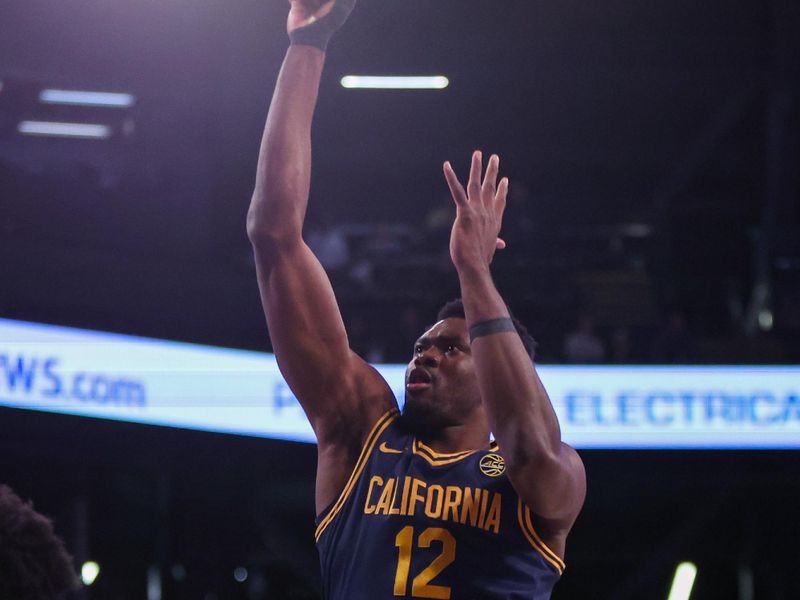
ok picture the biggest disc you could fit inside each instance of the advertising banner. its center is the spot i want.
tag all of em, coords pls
(70, 371)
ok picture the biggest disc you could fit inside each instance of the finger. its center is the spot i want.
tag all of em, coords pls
(456, 189)
(490, 181)
(500, 198)
(474, 185)
(501, 244)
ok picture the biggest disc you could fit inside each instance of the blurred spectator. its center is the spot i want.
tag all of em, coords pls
(583, 345)
(518, 230)
(362, 273)
(436, 226)
(437, 223)
(329, 245)
(621, 346)
(384, 242)
(403, 333)
(674, 343)
(34, 565)
(364, 342)
(411, 327)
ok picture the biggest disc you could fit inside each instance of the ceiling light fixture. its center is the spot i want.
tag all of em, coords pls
(82, 98)
(56, 129)
(683, 581)
(415, 82)
(89, 572)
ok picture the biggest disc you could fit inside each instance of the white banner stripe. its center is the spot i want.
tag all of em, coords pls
(111, 376)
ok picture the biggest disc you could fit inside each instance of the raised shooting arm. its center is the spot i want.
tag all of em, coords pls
(546, 473)
(340, 393)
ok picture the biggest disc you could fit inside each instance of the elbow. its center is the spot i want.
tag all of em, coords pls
(269, 251)
(269, 243)
(526, 464)
(258, 230)
(270, 231)
(526, 450)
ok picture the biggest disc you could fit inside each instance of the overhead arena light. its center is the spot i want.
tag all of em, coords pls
(56, 129)
(89, 572)
(372, 82)
(82, 98)
(683, 581)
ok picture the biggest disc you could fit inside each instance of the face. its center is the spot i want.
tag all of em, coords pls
(441, 386)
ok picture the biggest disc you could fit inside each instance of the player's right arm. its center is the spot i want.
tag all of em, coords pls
(341, 394)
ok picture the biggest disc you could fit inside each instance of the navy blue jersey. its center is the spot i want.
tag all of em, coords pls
(414, 523)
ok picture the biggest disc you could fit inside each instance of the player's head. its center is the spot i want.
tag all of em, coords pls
(455, 309)
(34, 565)
(441, 385)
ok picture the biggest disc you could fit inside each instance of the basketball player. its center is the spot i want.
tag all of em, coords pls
(418, 505)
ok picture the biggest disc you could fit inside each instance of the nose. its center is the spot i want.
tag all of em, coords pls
(427, 358)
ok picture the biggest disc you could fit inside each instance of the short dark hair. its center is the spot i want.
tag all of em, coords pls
(455, 309)
(35, 563)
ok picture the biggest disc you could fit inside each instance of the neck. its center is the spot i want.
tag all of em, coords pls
(455, 438)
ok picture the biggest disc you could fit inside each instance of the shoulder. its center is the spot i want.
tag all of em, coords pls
(341, 462)
(356, 403)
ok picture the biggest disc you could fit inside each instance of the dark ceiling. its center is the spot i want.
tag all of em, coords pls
(605, 114)
(679, 116)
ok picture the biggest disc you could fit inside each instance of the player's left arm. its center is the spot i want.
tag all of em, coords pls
(547, 474)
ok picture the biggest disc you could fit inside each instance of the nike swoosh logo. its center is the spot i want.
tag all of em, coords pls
(384, 448)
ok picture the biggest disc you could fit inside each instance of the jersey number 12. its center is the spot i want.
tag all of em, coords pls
(420, 585)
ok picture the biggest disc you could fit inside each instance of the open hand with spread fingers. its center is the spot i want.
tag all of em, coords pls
(479, 213)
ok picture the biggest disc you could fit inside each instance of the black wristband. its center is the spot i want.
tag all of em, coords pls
(319, 32)
(491, 327)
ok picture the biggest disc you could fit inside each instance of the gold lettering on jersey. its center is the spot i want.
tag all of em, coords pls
(415, 497)
(376, 480)
(475, 507)
(433, 505)
(385, 502)
(393, 510)
(404, 504)
(469, 509)
(493, 518)
(452, 500)
(482, 515)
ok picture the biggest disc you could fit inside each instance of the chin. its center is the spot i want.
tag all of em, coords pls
(421, 416)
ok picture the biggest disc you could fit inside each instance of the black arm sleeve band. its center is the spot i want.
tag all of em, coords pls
(319, 33)
(491, 327)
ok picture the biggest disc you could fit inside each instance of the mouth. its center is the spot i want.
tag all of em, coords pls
(417, 387)
(418, 380)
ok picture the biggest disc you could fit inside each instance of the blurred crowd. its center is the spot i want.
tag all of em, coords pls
(615, 294)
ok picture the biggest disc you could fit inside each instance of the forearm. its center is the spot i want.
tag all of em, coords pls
(521, 415)
(280, 198)
(547, 474)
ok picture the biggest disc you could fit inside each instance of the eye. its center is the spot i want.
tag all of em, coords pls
(451, 348)
(418, 349)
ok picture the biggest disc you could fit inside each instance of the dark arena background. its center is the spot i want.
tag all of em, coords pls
(653, 150)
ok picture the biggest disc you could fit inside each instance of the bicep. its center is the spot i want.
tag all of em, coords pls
(309, 339)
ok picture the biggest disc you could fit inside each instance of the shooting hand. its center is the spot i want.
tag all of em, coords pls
(479, 213)
(313, 22)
